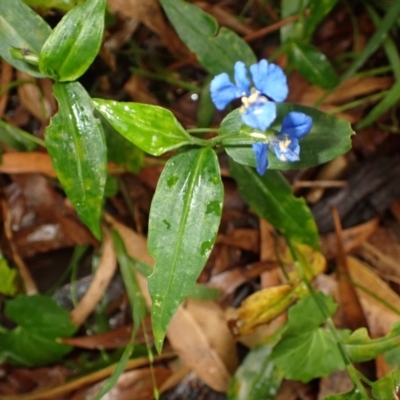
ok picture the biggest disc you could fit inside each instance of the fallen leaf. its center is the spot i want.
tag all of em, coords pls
(6, 75)
(31, 97)
(215, 356)
(22, 163)
(380, 303)
(102, 277)
(150, 14)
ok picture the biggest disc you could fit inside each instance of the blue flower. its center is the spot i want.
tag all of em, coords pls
(258, 111)
(286, 142)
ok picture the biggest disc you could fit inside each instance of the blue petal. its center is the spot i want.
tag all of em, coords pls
(223, 91)
(287, 152)
(241, 79)
(259, 73)
(260, 115)
(296, 125)
(270, 80)
(261, 152)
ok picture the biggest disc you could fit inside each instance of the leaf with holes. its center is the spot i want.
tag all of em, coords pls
(184, 220)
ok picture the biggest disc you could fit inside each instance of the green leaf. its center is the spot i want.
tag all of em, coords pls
(22, 28)
(306, 315)
(386, 387)
(360, 347)
(353, 395)
(184, 220)
(318, 10)
(40, 322)
(120, 150)
(74, 43)
(256, 378)
(76, 144)
(16, 138)
(270, 196)
(311, 63)
(216, 50)
(153, 129)
(306, 351)
(328, 138)
(64, 5)
(8, 278)
(295, 30)
(392, 357)
(308, 355)
(198, 291)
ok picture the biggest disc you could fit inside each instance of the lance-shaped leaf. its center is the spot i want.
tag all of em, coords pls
(76, 144)
(311, 63)
(271, 197)
(153, 129)
(64, 5)
(21, 27)
(74, 43)
(217, 50)
(329, 138)
(184, 220)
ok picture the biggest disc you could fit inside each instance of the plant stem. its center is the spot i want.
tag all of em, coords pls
(353, 373)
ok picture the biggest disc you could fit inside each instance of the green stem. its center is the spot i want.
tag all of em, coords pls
(203, 130)
(353, 373)
(358, 102)
(188, 86)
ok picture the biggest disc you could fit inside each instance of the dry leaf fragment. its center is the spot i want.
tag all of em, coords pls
(22, 163)
(246, 239)
(150, 14)
(200, 336)
(6, 74)
(380, 303)
(31, 97)
(352, 238)
(104, 273)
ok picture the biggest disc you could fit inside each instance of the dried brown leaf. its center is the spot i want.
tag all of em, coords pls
(31, 97)
(102, 277)
(6, 74)
(209, 346)
(352, 238)
(380, 303)
(150, 14)
(22, 163)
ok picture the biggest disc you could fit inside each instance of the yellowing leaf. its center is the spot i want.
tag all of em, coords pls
(263, 306)
(312, 261)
